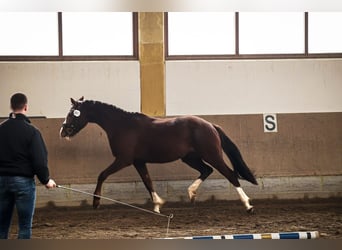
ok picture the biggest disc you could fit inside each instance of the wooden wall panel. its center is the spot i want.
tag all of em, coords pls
(305, 145)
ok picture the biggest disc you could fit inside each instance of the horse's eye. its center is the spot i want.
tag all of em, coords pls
(77, 113)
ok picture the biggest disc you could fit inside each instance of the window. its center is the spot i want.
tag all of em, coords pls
(104, 33)
(68, 36)
(325, 35)
(28, 33)
(200, 33)
(253, 35)
(271, 32)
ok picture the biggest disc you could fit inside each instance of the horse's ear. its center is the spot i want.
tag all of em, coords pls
(73, 102)
(81, 99)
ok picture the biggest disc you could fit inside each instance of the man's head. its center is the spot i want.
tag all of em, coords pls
(19, 102)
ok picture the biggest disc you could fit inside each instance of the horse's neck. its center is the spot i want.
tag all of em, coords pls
(108, 118)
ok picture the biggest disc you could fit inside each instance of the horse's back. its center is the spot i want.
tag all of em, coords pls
(180, 126)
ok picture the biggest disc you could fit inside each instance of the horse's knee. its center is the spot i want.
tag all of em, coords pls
(101, 177)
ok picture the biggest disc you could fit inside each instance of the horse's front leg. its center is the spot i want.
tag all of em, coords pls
(145, 176)
(114, 167)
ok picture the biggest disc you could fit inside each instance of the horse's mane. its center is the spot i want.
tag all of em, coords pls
(112, 108)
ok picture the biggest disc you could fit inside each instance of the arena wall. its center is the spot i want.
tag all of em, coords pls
(302, 159)
(305, 145)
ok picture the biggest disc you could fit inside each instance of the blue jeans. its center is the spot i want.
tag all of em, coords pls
(19, 192)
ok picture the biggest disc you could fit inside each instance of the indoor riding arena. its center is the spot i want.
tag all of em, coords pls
(268, 80)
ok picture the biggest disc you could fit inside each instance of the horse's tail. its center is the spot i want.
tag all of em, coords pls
(231, 150)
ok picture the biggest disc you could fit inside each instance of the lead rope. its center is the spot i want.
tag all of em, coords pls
(169, 217)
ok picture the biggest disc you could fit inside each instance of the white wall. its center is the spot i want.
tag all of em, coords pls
(49, 85)
(253, 86)
(192, 87)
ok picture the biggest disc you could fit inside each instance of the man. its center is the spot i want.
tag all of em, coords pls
(22, 156)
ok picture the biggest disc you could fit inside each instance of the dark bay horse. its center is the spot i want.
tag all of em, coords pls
(136, 139)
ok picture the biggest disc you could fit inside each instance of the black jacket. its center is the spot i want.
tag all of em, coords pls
(22, 149)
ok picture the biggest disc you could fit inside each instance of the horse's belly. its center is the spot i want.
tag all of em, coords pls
(161, 157)
(164, 154)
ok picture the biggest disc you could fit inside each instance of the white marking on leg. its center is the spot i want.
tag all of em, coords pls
(158, 202)
(193, 188)
(244, 198)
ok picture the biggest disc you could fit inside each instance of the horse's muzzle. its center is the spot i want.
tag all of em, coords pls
(66, 131)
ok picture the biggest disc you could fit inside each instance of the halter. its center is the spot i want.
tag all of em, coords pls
(74, 126)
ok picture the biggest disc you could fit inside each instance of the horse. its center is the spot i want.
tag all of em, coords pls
(137, 139)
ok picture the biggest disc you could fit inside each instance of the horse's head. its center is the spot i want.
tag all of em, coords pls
(76, 119)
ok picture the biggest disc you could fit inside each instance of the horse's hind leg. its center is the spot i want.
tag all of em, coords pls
(145, 176)
(222, 167)
(205, 170)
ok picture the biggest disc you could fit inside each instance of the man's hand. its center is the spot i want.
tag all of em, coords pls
(50, 184)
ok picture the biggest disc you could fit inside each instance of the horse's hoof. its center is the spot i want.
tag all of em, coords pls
(251, 210)
(96, 202)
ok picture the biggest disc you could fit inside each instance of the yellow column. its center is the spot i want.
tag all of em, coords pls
(152, 63)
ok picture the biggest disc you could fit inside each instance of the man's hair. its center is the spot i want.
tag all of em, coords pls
(18, 101)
